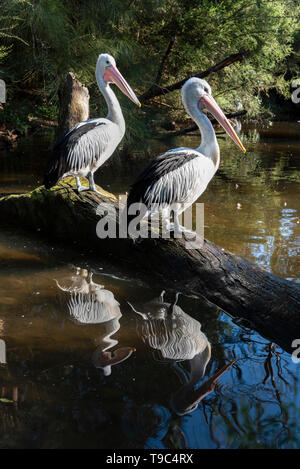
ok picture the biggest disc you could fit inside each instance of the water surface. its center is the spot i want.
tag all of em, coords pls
(92, 358)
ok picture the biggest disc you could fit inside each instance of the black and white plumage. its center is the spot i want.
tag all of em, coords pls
(177, 178)
(174, 180)
(174, 337)
(171, 333)
(90, 304)
(84, 148)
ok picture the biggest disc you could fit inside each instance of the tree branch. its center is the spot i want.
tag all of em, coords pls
(192, 128)
(164, 61)
(156, 90)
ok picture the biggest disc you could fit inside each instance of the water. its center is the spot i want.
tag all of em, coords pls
(91, 358)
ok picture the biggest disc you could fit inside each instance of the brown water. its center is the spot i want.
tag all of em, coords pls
(84, 369)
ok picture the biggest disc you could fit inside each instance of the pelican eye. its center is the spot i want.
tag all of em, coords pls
(107, 62)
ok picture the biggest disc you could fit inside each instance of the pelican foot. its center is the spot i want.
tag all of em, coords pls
(83, 188)
(180, 230)
(96, 190)
(175, 228)
(191, 236)
(186, 231)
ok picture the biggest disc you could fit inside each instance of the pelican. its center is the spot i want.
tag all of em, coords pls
(175, 180)
(90, 303)
(84, 148)
(174, 336)
(171, 333)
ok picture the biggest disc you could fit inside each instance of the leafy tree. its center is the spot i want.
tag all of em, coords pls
(44, 39)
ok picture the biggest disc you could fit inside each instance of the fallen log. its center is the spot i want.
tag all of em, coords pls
(271, 305)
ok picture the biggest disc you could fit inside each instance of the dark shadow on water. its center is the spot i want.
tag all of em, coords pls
(85, 369)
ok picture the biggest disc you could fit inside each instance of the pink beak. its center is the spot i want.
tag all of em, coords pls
(112, 75)
(210, 104)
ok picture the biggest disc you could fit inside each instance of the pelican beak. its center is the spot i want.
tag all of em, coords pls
(107, 358)
(210, 104)
(186, 400)
(112, 75)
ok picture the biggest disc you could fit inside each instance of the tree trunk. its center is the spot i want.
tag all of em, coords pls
(270, 304)
(73, 104)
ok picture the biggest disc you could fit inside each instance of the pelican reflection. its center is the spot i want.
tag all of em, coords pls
(174, 336)
(90, 303)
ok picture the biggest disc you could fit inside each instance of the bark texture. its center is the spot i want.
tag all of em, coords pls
(73, 104)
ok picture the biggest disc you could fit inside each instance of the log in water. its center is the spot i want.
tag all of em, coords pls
(269, 304)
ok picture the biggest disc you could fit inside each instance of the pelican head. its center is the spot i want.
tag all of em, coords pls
(107, 72)
(197, 92)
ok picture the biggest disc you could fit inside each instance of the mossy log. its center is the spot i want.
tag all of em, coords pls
(269, 304)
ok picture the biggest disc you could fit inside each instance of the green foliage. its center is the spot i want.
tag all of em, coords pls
(16, 117)
(49, 112)
(44, 39)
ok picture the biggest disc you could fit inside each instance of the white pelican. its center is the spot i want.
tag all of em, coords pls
(171, 333)
(84, 148)
(175, 180)
(90, 303)
(174, 336)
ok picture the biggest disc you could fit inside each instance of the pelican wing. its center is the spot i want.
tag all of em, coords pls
(168, 179)
(79, 148)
